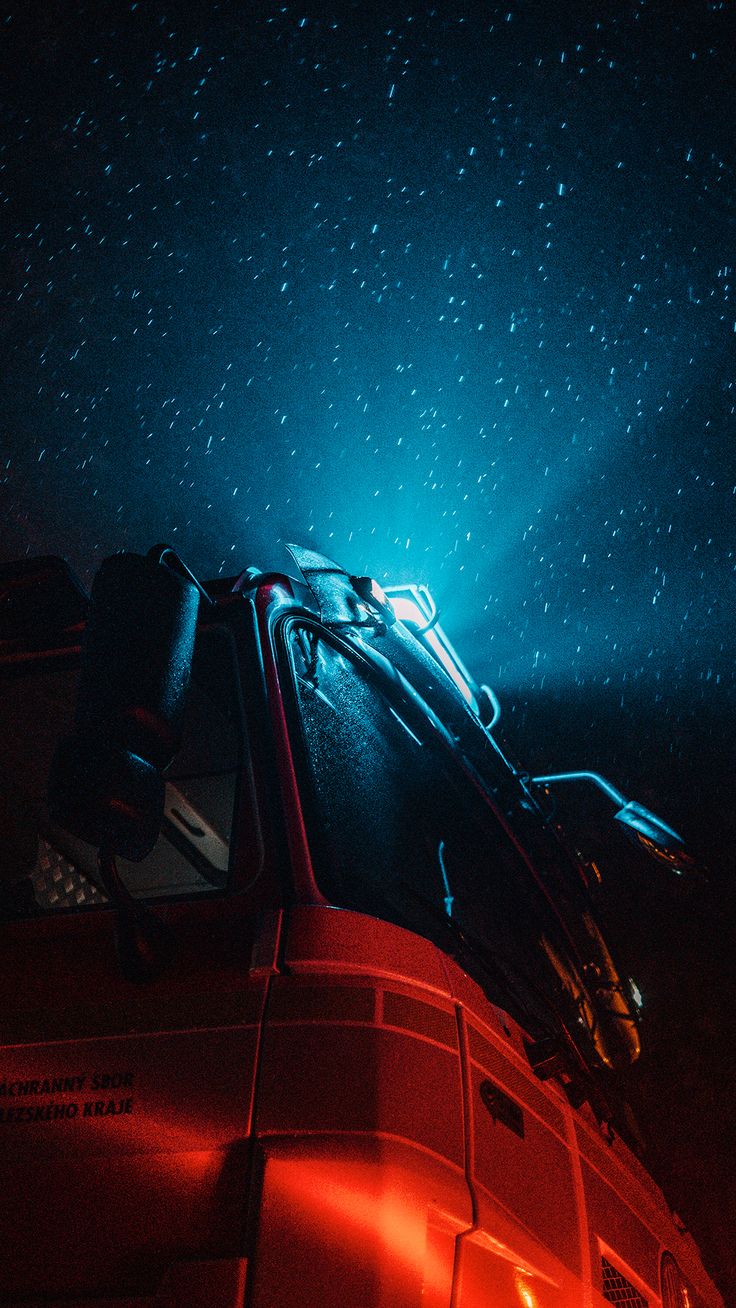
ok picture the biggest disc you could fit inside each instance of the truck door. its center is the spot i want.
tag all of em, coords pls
(125, 1107)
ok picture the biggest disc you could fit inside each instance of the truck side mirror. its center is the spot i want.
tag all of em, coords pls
(106, 784)
(647, 830)
(641, 826)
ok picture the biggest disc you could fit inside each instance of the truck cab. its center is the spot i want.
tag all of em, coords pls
(308, 1003)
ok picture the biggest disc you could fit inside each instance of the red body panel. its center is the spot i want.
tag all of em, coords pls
(380, 1176)
(385, 1180)
(138, 1164)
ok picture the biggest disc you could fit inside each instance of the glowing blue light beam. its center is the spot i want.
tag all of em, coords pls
(413, 605)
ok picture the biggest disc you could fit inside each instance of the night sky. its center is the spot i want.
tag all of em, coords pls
(446, 291)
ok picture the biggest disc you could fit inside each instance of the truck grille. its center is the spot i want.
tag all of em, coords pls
(616, 1288)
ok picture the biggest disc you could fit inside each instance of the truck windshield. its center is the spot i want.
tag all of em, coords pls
(43, 868)
(399, 830)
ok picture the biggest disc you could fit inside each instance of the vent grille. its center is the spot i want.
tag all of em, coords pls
(57, 883)
(616, 1288)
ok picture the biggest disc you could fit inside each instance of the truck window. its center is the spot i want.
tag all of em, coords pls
(47, 869)
(397, 830)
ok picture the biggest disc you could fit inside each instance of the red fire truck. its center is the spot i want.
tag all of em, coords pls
(305, 999)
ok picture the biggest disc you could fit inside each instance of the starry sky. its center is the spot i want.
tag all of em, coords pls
(443, 290)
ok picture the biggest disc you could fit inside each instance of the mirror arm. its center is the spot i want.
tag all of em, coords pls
(162, 553)
(142, 942)
(594, 777)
